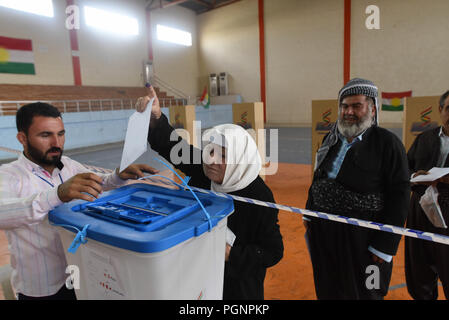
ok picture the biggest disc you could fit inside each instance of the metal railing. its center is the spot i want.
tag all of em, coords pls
(161, 84)
(179, 99)
(64, 106)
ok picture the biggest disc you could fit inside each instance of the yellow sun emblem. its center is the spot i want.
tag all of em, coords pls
(4, 55)
(396, 102)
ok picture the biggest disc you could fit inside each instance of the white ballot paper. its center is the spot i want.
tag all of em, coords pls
(430, 206)
(434, 174)
(136, 136)
(230, 237)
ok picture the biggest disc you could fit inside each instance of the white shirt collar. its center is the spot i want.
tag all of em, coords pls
(30, 165)
(343, 138)
(441, 133)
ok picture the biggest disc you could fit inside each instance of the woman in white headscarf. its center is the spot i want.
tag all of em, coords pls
(229, 163)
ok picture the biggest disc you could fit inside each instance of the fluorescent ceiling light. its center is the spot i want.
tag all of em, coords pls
(174, 35)
(110, 21)
(40, 7)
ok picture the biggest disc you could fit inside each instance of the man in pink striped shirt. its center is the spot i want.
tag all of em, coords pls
(40, 180)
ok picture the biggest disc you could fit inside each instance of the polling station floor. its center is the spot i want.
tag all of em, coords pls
(291, 278)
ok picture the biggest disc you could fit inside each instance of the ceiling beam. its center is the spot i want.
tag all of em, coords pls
(216, 6)
(164, 5)
(173, 3)
(204, 3)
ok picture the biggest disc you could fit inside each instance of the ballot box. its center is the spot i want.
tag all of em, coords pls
(146, 242)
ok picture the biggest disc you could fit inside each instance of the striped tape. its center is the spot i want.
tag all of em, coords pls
(326, 216)
(433, 237)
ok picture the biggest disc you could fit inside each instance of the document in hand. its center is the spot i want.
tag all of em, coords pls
(434, 174)
(136, 136)
(429, 204)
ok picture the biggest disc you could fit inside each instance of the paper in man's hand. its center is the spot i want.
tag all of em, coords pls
(434, 174)
(136, 136)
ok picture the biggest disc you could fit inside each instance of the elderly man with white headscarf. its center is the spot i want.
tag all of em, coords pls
(229, 163)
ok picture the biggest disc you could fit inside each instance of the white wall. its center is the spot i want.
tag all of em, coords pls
(304, 56)
(229, 41)
(303, 48)
(109, 59)
(409, 52)
(304, 51)
(51, 45)
(173, 63)
(106, 59)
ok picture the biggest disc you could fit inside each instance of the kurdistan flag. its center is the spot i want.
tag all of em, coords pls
(394, 101)
(16, 56)
(205, 99)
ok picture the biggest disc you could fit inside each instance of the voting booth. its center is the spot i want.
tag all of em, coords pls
(250, 117)
(420, 114)
(324, 115)
(182, 119)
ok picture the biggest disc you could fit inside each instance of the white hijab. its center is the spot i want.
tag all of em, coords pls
(243, 161)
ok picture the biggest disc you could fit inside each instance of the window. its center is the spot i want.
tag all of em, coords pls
(40, 7)
(174, 35)
(110, 21)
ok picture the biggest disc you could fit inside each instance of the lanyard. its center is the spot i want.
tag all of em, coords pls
(45, 180)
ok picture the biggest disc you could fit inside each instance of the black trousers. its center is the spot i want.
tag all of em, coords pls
(425, 261)
(342, 263)
(62, 294)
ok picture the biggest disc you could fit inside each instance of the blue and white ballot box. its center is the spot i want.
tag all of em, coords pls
(146, 242)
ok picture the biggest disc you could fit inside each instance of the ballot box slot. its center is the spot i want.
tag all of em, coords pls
(141, 210)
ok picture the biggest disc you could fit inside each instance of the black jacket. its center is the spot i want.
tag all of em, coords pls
(424, 154)
(258, 243)
(377, 164)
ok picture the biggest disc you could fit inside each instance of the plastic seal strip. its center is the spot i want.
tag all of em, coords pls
(186, 186)
(80, 238)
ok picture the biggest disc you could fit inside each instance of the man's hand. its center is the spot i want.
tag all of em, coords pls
(228, 252)
(136, 171)
(444, 179)
(142, 102)
(376, 259)
(305, 223)
(420, 173)
(84, 182)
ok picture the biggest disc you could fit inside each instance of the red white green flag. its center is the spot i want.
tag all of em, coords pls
(16, 56)
(394, 101)
(205, 99)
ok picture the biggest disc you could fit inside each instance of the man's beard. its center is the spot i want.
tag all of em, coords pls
(41, 158)
(353, 130)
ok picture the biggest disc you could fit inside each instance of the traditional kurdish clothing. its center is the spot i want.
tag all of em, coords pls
(258, 244)
(426, 261)
(368, 180)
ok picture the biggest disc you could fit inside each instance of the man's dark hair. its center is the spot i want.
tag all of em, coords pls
(26, 113)
(443, 98)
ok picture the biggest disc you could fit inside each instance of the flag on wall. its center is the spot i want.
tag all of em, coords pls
(205, 99)
(16, 56)
(394, 101)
